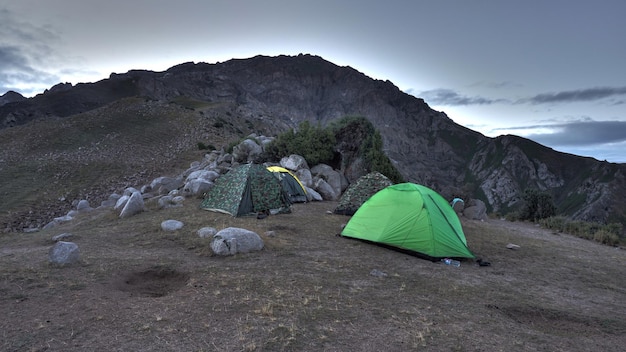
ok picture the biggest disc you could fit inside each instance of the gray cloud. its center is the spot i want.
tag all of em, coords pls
(449, 97)
(496, 85)
(588, 94)
(578, 133)
(23, 50)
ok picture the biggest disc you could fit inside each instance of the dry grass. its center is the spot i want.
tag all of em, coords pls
(307, 290)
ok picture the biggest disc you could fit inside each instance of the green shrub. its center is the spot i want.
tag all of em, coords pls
(556, 223)
(606, 237)
(609, 234)
(537, 205)
(578, 228)
(363, 137)
(513, 216)
(202, 146)
(313, 143)
(231, 146)
(615, 228)
(376, 159)
(317, 145)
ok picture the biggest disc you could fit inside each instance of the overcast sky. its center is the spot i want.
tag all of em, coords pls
(550, 70)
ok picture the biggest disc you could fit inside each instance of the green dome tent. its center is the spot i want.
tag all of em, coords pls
(246, 189)
(413, 218)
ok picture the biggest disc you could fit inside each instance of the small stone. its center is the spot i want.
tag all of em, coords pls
(62, 237)
(207, 232)
(512, 246)
(378, 273)
(171, 225)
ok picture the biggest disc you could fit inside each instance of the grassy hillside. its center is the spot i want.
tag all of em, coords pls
(46, 164)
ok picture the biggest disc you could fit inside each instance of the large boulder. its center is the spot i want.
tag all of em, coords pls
(335, 179)
(475, 209)
(207, 175)
(133, 206)
(164, 185)
(111, 201)
(294, 162)
(312, 194)
(64, 253)
(169, 201)
(121, 202)
(83, 205)
(233, 240)
(197, 187)
(324, 189)
(246, 151)
(305, 177)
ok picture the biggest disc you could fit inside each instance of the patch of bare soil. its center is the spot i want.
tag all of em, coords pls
(138, 288)
(157, 281)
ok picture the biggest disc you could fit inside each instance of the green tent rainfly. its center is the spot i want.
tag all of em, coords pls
(247, 189)
(410, 217)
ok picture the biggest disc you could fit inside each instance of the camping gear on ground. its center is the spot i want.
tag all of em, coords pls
(360, 191)
(482, 262)
(411, 218)
(291, 184)
(247, 189)
(458, 205)
(452, 262)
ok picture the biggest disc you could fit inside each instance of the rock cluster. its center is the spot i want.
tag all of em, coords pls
(322, 182)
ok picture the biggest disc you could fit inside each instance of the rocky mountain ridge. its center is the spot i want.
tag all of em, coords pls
(10, 97)
(272, 94)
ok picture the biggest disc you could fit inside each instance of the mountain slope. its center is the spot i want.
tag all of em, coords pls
(272, 94)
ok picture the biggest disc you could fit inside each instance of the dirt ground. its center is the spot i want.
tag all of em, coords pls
(138, 288)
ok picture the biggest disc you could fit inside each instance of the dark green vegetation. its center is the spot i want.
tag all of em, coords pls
(354, 135)
(314, 143)
(368, 143)
(537, 205)
(610, 234)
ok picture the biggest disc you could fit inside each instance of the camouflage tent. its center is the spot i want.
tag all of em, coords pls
(291, 184)
(360, 191)
(247, 189)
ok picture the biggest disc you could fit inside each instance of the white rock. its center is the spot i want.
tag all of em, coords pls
(206, 232)
(171, 225)
(64, 253)
(133, 206)
(234, 240)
